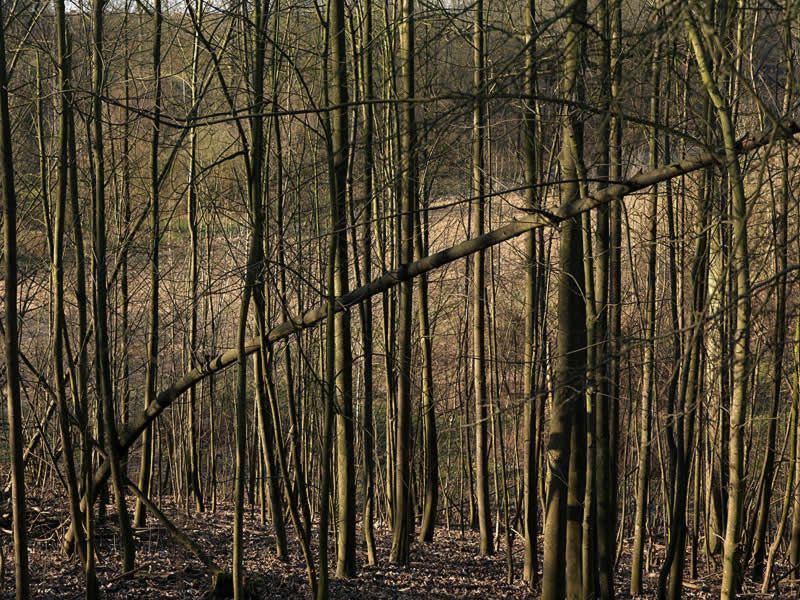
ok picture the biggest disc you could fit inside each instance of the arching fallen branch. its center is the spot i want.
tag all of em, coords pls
(514, 228)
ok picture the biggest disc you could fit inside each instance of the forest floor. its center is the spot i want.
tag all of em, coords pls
(450, 567)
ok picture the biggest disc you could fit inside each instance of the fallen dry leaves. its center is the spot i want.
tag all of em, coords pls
(448, 568)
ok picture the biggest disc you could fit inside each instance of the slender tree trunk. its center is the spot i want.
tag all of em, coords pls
(431, 485)
(780, 229)
(15, 441)
(254, 162)
(113, 448)
(267, 454)
(58, 319)
(741, 343)
(571, 162)
(402, 527)
(561, 576)
(789, 488)
(192, 219)
(241, 417)
(124, 289)
(146, 466)
(81, 378)
(648, 365)
(610, 437)
(586, 472)
(530, 392)
(301, 491)
(670, 583)
(794, 541)
(346, 484)
(478, 288)
(368, 419)
(327, 429)
(605, 506)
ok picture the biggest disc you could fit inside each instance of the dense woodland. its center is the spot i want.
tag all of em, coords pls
(433, 299)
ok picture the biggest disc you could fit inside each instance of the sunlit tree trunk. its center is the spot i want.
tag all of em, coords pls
(615, 171)
(478, 288)
(192, 220)
(794, 540)
(731, 578)
(430, 435)
(267, 452)
(561, 577)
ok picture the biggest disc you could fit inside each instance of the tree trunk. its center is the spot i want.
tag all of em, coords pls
(561, 575)
(604, 498)
(58, 319)
(192, 219)
(346, 484)
(368, 419)
(648, 365)
(478, 288)
(530, 392)
(15, 441)
(402, 527)
(146, 466)
(741, 343)
(113, 448)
